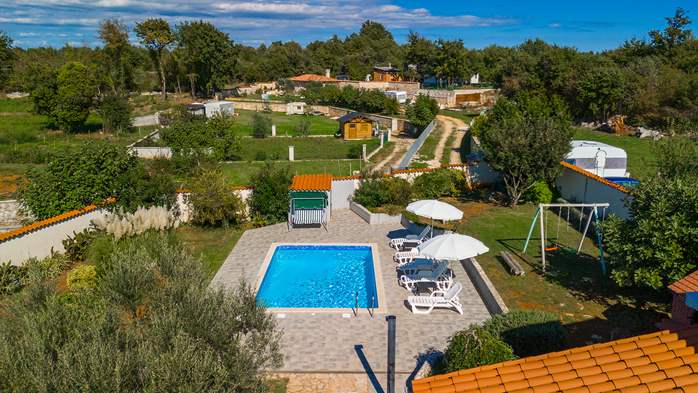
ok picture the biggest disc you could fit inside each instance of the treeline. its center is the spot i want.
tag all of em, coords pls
(654, 81)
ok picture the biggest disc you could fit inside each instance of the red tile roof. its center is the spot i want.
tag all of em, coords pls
(686, 284)
(595, 177)
(664, 361)
(312, 78)
(52, 220)
(319, 182)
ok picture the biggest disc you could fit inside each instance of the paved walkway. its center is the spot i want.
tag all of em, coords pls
(333, 342)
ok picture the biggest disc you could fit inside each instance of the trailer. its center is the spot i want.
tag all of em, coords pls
(598, 158)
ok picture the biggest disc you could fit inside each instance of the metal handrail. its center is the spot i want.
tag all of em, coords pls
(373, 303)
(356, 308)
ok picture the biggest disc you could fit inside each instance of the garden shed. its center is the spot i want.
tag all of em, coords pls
(309, 200)
(355, 125)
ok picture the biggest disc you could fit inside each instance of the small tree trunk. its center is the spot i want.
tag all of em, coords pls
(162, 75)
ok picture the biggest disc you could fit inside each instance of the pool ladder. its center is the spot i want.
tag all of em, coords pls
(371, 310)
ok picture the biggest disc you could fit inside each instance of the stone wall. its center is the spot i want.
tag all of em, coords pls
(374, 218)
(488, 293)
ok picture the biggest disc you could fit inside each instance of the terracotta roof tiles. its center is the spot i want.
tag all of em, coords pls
(686, 284)
(318, 182)
(664, 361)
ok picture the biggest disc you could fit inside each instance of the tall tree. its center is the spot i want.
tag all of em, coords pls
(156, 35)
(76, 89)
(207, 52)
(7, 58)
(525, 139)
(421, 54)
(114, 35)
(675, 33)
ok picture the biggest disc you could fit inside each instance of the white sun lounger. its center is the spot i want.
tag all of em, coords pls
(403, 257)
(411, 239)
(436, 272)
(437, 299)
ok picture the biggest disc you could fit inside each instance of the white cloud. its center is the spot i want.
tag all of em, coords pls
(245, 21)
(555, 25)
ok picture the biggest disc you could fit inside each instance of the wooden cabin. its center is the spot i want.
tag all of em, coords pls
(386, 74)
(355, 125)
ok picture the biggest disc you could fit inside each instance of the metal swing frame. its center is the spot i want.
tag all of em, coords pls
(594, 213)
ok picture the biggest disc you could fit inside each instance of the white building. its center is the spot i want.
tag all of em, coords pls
(399, 95)
(295, 108)
(214, 107)
(598, 158)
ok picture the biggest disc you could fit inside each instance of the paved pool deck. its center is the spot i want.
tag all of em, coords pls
(323, 342)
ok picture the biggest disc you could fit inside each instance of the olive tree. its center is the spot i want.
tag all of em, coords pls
(524, 139)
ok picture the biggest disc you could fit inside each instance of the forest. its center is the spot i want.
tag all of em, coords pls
(653, 80)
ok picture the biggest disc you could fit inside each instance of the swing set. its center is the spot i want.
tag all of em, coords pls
(541, 217)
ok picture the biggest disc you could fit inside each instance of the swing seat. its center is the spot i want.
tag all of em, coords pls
(552, 248)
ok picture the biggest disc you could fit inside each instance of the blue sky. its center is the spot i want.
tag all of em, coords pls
(587, 25)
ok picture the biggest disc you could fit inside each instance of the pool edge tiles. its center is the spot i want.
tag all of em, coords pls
(377, 275)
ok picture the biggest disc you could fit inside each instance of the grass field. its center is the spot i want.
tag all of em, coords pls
(211, 245)
(26, 138)
(642, 160)
(286, 124)
(304, 148)
(239, 173)
(572, 287)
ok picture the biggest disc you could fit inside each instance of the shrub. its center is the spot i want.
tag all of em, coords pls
(213, 202)
(130, 224)
(304, 126)
(472, 347)
(529, 332)
(376, 191)
(260, 156)
(270, 197)
(261, 125)
(540, 192)
(11, 278)
(91, 173)
(436, 184)
(355, 151)
(76, 246)
(152, 319)
(115, 112)
(82, 277)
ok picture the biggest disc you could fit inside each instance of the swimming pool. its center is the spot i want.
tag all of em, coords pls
(320, 276)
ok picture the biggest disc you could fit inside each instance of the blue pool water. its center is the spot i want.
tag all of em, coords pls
(624, 181)
(319, 276)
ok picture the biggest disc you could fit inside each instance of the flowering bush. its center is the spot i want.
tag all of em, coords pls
(129, 224)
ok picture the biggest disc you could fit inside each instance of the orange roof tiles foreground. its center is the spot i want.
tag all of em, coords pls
(319, 182)
(686, 284)
(664, 361)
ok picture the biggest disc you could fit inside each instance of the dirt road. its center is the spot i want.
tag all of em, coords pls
(450, 125)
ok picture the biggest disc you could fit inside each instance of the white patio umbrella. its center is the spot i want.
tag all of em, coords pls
(452, 247)
(435, 210)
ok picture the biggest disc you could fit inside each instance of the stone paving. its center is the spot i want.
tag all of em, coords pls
(333, 343)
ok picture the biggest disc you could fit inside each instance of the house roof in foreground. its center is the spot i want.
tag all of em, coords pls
(664, 361)
(686, 284)
(317, 182)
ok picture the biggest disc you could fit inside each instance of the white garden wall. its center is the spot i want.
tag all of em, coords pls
(577, 187)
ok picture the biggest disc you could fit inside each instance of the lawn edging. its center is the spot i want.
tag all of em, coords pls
(488, 293)
(373, 218)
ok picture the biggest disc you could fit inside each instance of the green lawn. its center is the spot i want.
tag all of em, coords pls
(305, 148)
(239, 173)
(211, 245)
(465, 116)
(572, 287)
(26, 138)
(286, 124)
(642, 161)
